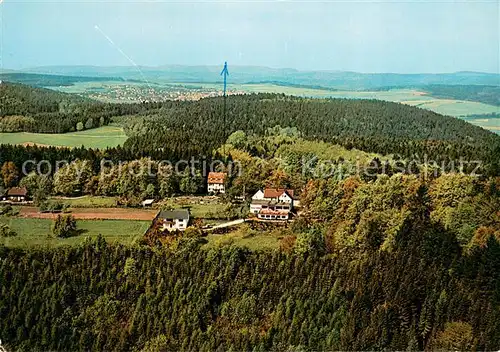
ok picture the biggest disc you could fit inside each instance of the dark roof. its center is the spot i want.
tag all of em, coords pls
(17, 192)
(174, 214)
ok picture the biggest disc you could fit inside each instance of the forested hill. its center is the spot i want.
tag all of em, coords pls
(161, 130)
(370, 125)
(315, 118)
(29, 109)
(20, 99)
(257, 112)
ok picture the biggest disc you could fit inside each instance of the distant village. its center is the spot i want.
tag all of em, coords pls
(143, 93)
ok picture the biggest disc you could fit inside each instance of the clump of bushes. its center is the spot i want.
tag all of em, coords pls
(5, 231)
(7, 210)
(52, 207)
(64, 226)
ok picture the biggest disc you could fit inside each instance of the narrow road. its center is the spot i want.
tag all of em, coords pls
(228, 224)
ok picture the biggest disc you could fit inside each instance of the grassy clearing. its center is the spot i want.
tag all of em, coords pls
(37, 232)
(243, 236)
(256, 242)
(88, 202)
(102, 137)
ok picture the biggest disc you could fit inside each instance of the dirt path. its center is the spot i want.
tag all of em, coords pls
(228, 224)
(94, 213)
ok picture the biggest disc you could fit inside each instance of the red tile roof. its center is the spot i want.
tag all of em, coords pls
(17, 192)
(273, 212)
(216, 177)
(276, 192)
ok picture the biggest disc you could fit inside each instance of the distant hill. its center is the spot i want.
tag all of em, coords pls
(256, 74)
(29, 109)
(50, 80)
(20, 99)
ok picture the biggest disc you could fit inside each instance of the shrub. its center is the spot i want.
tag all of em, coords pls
(64, 226)
(5, 231)
(52, 207)
(6, 210)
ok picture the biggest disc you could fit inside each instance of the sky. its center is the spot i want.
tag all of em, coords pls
(403, 36)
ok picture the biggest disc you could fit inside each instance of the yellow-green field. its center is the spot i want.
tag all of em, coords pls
(492, 124)
(102, 137)
(37, 232)
(454, 107)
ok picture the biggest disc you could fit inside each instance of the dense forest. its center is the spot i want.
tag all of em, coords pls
(161, 129)
(387, 260)
(99, 297)
(28, 109)
(379, 271)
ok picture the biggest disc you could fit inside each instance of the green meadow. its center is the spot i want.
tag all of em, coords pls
(102, 137)
(88, 201)
(243, 238)
(37, 232)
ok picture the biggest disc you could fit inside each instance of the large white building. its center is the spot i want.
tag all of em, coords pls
(216, 182)
(272, 204)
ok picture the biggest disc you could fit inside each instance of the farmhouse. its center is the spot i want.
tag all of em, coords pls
(172, 220)
(272, 204)
(17, 194)
(216, 182)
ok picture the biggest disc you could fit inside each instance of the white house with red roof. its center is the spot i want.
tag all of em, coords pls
(216, 182)
(273, 204)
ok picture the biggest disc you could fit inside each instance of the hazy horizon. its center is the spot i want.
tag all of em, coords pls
(365, 37)
(217, 66)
